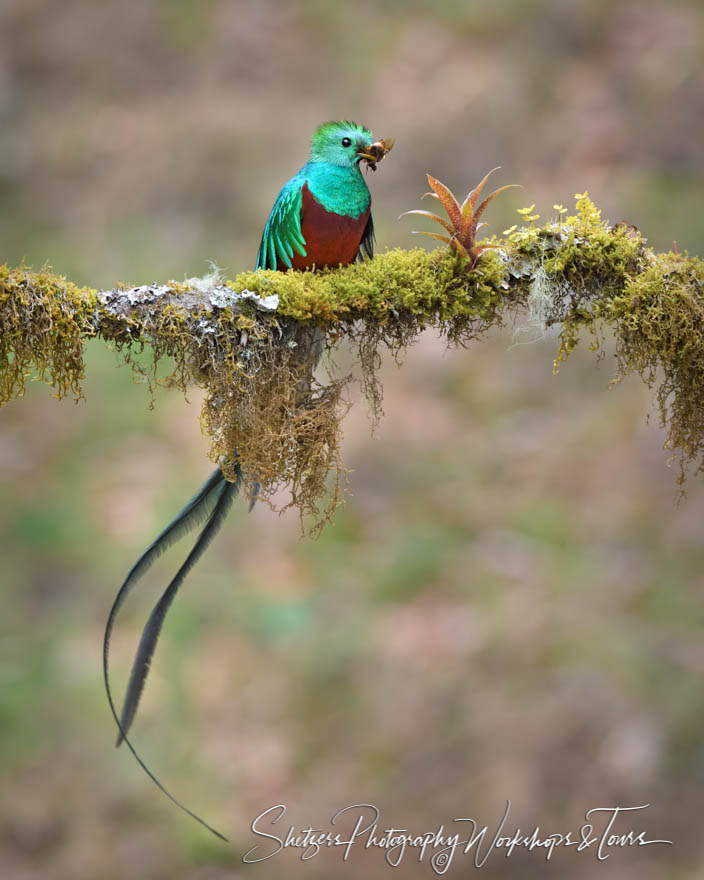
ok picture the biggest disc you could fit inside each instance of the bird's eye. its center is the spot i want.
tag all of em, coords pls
(346, 142)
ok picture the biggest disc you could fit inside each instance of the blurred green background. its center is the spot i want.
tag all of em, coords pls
(510, 605)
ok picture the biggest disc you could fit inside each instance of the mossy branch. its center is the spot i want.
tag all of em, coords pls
(252, 342)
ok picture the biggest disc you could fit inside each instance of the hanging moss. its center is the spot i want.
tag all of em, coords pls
(659, 323)
(253, 342)
(44, 320)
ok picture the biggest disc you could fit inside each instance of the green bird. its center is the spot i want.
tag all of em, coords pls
(321, 218)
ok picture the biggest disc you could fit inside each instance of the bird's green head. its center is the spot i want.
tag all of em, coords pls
(341, 143)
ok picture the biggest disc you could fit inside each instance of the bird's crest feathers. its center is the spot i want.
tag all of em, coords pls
(328, 143)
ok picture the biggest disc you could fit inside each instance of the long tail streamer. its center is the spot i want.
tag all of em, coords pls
(210, 505)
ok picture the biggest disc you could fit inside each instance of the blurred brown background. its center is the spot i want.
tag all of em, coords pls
(510, 604)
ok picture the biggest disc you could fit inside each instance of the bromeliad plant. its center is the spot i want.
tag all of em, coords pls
(463, 223)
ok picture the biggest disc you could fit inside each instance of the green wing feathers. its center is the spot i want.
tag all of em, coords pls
(282, 233)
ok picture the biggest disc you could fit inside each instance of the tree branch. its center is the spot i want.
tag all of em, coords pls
(251, 342)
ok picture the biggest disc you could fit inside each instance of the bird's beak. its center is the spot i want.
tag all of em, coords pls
(373, 153)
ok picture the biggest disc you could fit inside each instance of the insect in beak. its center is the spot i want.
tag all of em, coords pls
(373, 153)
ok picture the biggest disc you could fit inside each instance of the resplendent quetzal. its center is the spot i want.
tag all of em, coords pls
(321, 218)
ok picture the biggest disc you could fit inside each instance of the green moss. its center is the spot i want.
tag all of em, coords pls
(44, 320)
(428, 287)
(257, 366)
(584, 264)
(659, 324)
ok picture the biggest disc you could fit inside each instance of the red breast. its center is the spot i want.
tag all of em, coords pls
(331, 239)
